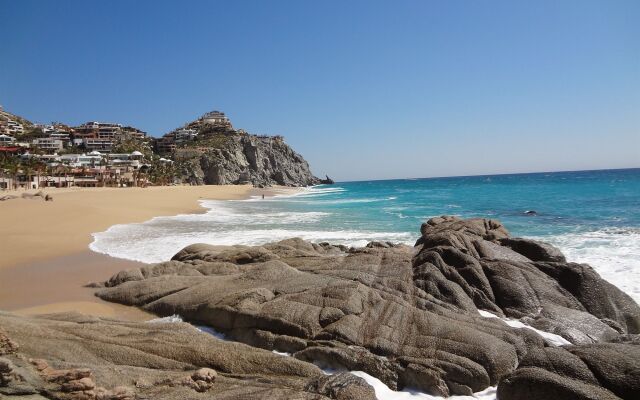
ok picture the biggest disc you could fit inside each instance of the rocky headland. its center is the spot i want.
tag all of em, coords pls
(221, 155)
(243, 158)
(468, 307)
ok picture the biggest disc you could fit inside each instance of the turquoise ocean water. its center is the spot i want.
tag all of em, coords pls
(593, 216)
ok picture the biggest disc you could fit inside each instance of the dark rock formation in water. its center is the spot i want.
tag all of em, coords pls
(236, 158)
(410, 316)
(327, 180)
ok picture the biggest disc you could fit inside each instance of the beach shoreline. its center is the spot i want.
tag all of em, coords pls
(46, 261)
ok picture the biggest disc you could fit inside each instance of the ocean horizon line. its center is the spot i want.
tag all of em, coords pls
(488, 175)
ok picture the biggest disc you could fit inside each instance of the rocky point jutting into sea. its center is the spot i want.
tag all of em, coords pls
(222, 155)
(468, 308)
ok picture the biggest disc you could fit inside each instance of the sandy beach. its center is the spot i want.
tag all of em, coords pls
(45, 261)
(35, 230)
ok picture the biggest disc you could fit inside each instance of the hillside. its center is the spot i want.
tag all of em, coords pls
(231, 158)
(5, 116)
(218, 154)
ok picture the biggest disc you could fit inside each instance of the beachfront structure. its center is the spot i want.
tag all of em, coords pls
(85, 170)
(59, 180)
(6, 182)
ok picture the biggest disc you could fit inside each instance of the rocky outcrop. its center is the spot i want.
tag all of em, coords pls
(326, 180)
(411, 317)
(438, 317)
(71, 356)
(596, 371)
(242, 158)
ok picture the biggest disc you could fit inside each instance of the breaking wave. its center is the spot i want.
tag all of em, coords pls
(229, 223)
(613, 252)
(600, 228)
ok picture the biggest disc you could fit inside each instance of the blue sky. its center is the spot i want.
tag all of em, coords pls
(362, 89)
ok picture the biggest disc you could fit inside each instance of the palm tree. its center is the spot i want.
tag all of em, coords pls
(14, 169)
(39, 167)
(28, 171)
(50, 173)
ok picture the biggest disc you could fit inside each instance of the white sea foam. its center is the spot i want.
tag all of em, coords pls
(152, 244)
(383, 392)
(212, 332)
(551, 338)
(164, 320)
(314, 191)
(613, 252)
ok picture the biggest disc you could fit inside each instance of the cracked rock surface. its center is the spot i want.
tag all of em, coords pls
(409, 316)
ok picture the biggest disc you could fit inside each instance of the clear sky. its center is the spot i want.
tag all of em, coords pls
(362, 89)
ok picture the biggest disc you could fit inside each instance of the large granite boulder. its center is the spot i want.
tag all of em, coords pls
(475, 261)
(411, 317)
(71, 356)
(595, 371)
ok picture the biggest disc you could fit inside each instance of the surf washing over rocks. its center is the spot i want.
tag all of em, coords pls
(382, 391)
(468, 312)
(592, 216)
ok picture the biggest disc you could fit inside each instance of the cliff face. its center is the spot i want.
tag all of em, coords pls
(244, 158)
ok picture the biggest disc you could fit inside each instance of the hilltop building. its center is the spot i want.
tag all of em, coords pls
(215, 118)
(211, 122)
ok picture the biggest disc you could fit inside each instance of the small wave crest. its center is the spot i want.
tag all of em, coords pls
(225, 213)
(315, 191)
(352, 200)
(153, 244)
(613, 252)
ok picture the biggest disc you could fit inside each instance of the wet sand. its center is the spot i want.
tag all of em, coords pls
(58, 285)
